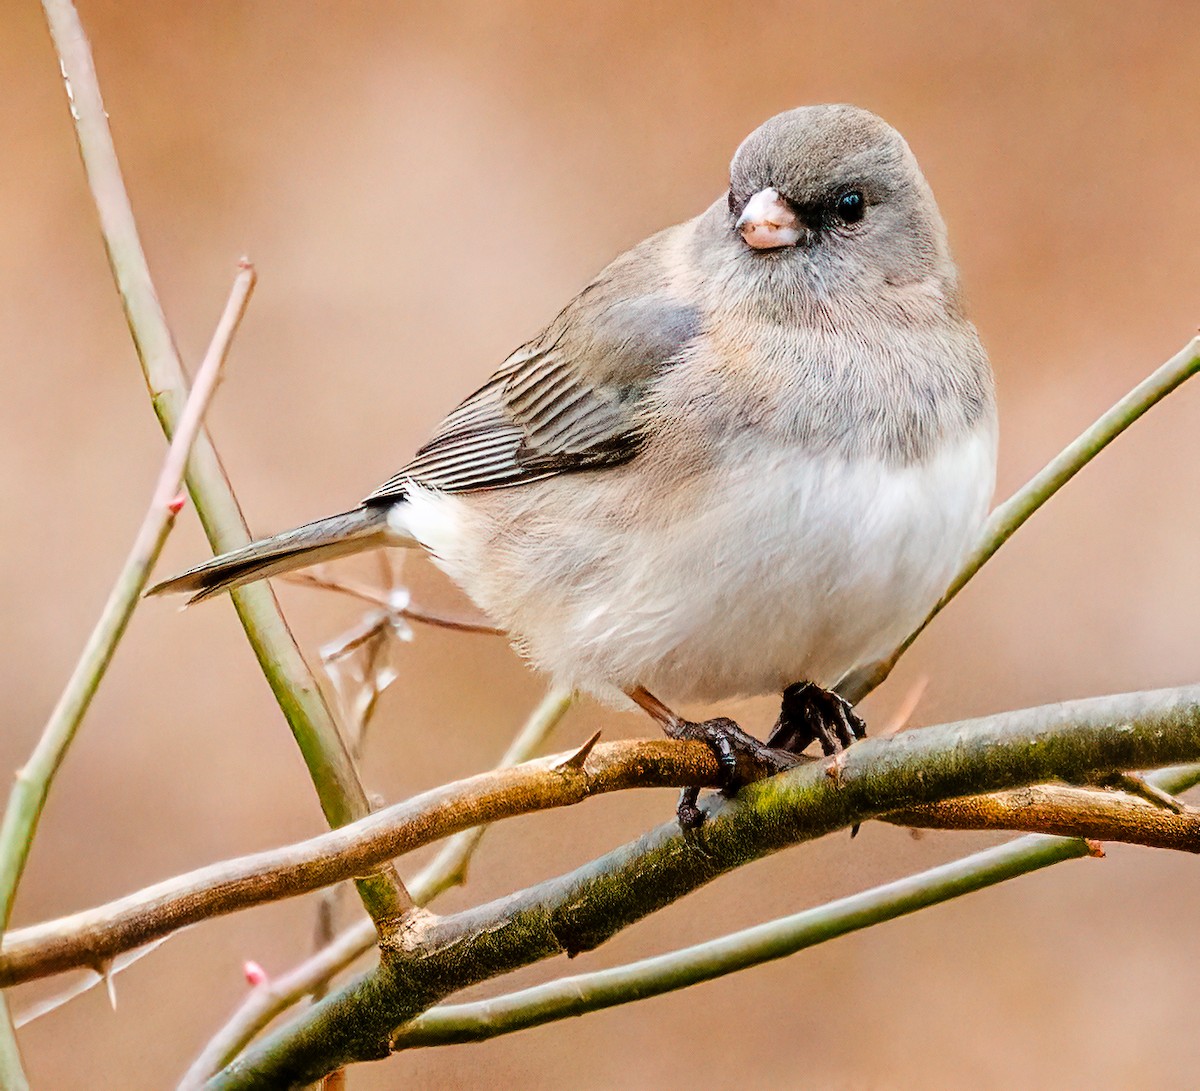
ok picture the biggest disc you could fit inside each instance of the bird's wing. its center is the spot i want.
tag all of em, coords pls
(570, 400)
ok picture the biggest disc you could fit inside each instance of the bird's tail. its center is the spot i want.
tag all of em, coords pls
(335, 536)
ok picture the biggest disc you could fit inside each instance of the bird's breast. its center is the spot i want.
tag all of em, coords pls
(765, 566)
(801, 566)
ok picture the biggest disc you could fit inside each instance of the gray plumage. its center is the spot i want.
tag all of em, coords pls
(321, 540)
(752, 451)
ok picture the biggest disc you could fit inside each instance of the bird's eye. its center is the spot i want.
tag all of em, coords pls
(850, 207)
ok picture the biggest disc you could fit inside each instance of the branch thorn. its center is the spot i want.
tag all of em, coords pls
(110, 984)
(576, 760)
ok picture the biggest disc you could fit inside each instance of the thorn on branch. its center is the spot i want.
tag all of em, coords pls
(576, 760)
(110, 984)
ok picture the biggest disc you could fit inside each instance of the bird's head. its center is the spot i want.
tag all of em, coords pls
(835, 192)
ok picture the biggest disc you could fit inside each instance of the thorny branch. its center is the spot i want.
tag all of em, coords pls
(93, 936)
(430, 957)
(32, 786)
(447, 869)
(330, 766)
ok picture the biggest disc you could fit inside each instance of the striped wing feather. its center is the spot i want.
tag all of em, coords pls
(569, 401)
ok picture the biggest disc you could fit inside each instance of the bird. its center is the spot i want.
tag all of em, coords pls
(745, 459)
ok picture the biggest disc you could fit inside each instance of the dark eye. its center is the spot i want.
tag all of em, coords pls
(850, 207)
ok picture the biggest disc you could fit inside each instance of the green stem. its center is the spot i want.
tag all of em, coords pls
(32, 786)
(447, 869)
(325, 753)
(1012, 514)
(33, 780)
(577, 995)
(12, 1075)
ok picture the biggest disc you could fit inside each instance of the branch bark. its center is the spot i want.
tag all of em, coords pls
(572, 996)
(95, 935)
(1066, 812)
(447, 869)
(450, 1024)
(427, 958)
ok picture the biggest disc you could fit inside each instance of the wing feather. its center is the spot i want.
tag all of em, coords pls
(570, 400)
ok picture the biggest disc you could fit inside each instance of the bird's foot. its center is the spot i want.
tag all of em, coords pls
(742, 759)
(811, 714)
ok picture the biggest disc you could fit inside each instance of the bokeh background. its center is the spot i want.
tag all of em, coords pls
(421, 186)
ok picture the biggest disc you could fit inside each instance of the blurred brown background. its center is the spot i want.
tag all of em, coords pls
(341, 146)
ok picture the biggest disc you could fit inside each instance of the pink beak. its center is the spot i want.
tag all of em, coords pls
(767, 223)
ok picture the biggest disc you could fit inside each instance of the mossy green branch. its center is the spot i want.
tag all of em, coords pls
(571, 996)
(432, 957)
(564, 997)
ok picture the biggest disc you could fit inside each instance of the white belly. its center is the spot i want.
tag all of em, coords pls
(792, 567)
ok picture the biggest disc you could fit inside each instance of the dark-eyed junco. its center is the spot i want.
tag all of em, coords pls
(745, 459)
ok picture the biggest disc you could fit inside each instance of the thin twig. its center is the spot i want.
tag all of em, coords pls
(1008, 518)
(1064, 811)
(90, 937)
(85, 981)
(382, 598)
(34, 779)
(447, 869)
(332, 770)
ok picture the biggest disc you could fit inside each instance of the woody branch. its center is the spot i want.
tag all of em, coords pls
(428, 958)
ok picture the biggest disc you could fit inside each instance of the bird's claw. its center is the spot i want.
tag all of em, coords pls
(691, 818)
(811, 714)
(741, 758)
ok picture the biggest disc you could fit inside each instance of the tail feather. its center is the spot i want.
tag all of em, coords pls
(323, 540)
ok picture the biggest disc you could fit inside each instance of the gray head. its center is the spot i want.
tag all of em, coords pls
(834, 195)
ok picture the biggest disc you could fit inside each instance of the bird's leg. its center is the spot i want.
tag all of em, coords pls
(809, 713)
(742, 758)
